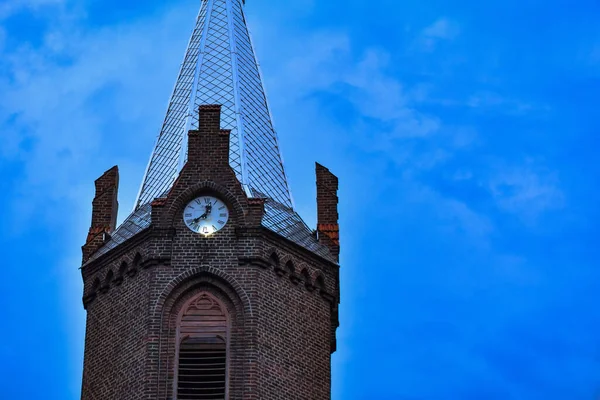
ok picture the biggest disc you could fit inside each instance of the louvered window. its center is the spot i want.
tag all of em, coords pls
(202, 369)
(202, 355)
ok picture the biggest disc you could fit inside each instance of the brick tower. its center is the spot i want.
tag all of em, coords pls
(214, 287)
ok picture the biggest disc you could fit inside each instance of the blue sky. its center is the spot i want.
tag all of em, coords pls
(464, 134)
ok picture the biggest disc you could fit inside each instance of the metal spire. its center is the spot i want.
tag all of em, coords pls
(220, 67)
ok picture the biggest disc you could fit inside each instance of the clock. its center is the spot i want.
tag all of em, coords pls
(206, 215)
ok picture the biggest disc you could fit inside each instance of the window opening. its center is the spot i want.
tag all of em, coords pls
(202, 353)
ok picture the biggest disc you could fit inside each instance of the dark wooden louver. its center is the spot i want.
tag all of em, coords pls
(202, 364)
(201, 370)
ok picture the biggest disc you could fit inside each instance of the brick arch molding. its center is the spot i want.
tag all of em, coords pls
(200, 274)
(208, 187)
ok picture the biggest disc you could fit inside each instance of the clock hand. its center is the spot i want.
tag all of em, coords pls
(196, 220)
(205, 215)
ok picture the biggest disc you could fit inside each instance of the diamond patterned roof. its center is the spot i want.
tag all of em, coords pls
(220, 67)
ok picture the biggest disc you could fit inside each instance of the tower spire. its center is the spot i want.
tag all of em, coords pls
(220, 67)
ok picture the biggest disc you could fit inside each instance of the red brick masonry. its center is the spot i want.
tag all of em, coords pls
(282, 298)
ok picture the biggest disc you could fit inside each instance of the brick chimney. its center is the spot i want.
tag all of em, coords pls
(104, 212)
(327, 210)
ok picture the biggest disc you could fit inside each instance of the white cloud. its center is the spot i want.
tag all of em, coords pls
(527, 190)
(458, 219)
(327, 64)
(412, 139)
(383, 97)
(443, 29)
(387, 122)
(489, 101)
(51, 115)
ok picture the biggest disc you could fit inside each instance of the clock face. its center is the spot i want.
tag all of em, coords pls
(206, 215)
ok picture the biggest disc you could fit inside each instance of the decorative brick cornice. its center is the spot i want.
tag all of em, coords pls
(309, 283)
(262, 232)
(93, 266)
(126, 270)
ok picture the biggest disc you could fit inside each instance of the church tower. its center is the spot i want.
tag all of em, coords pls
(213, 287)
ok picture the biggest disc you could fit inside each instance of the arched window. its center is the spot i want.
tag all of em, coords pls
(202, 333)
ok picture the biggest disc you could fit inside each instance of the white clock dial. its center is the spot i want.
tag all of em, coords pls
(206, 215)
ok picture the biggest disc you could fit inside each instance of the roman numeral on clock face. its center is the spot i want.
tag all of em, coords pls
(206, 215)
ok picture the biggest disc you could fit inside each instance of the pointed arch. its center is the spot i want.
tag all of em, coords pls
(202, 274)
(320, 283)
(96, 285)
(175, 297)
(305, 276)
(274, 259)
(204, 315)
(202, 344)
(291, 270)
(92, 292)
(121, 273)
(135, 265)
(107, 281)
(275, 262)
